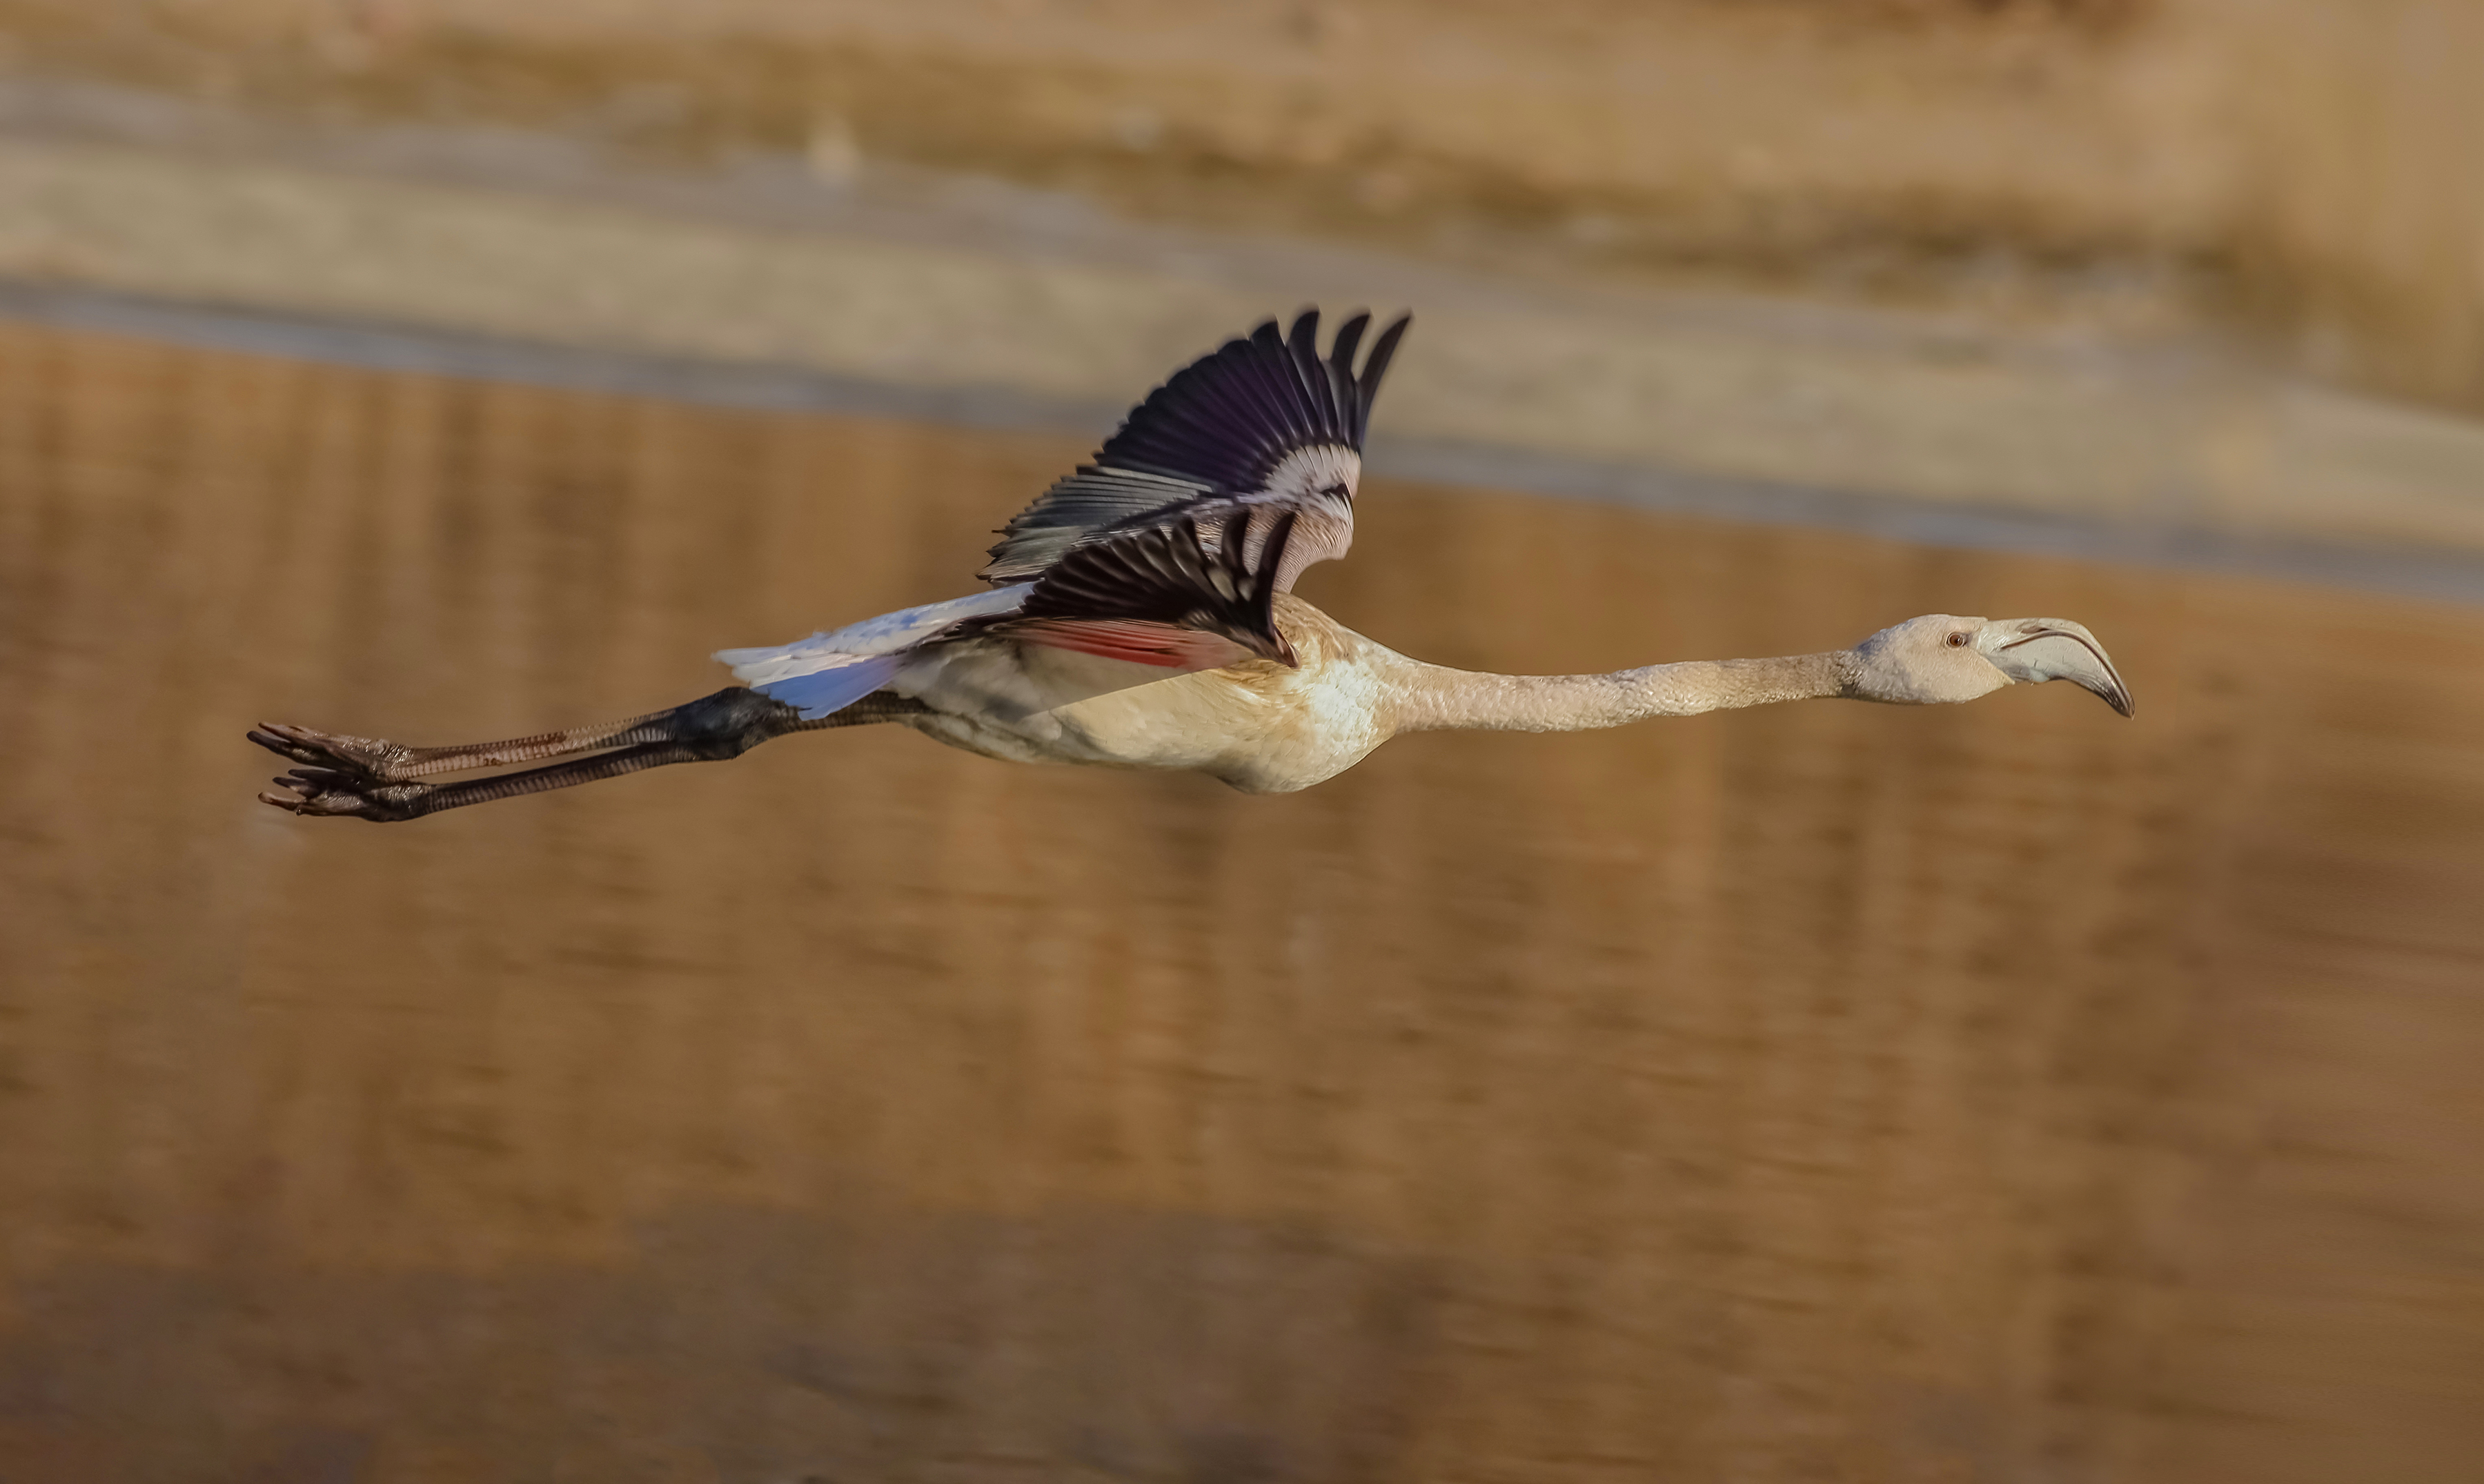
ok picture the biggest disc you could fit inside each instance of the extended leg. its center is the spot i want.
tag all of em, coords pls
(728, 710)
(372, 779)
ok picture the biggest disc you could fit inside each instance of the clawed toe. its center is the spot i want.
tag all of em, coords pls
(368, 758)
(339, 793)
(275, 742)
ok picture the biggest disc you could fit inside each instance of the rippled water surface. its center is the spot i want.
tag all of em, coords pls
(2006, 1091)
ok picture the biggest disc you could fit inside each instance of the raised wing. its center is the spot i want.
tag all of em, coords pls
(1188, 595)
(1261, 422)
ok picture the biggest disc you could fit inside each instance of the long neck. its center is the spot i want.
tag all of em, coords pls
(1431, 698)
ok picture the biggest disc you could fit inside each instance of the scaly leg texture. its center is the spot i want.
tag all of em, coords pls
(371, 778)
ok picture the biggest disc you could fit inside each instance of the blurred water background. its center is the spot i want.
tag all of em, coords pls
(2002, 1093)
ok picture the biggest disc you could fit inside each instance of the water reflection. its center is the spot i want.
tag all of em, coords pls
(1826, 1091)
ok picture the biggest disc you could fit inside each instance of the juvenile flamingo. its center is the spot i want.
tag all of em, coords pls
(1142, 615)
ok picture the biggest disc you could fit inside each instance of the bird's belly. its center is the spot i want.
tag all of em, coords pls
(1256, 727)
(1157, 731)
(1260, 727)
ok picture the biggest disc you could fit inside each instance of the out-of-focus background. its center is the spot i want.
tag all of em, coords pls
(2002, 1092)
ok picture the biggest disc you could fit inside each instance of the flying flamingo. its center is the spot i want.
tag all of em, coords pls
(1142, 615)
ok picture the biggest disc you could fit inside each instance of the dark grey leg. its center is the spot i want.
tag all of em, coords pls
(369, 779)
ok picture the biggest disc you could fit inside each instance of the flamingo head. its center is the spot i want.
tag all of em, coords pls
(1940, 658)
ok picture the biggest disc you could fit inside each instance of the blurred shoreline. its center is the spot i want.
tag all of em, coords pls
(2453, 575)
(2297, 173)
(762, 280)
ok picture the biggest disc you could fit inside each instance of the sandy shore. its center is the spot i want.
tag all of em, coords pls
(1017, 304)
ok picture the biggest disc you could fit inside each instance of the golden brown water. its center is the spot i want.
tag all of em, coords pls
(1827, 1091)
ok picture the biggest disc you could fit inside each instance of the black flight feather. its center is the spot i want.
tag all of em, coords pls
(1167, 574)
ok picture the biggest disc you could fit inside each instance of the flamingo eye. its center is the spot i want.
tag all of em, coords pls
(1961, 640)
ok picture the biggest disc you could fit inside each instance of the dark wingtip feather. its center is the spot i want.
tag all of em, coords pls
(1374, 367)
(1303, 339)
(1349, 335)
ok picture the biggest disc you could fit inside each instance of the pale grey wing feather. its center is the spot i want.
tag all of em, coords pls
(1090, 500)
(1263, 422)
(828, 672)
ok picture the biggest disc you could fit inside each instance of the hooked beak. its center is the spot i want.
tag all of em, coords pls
(2035, 650)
